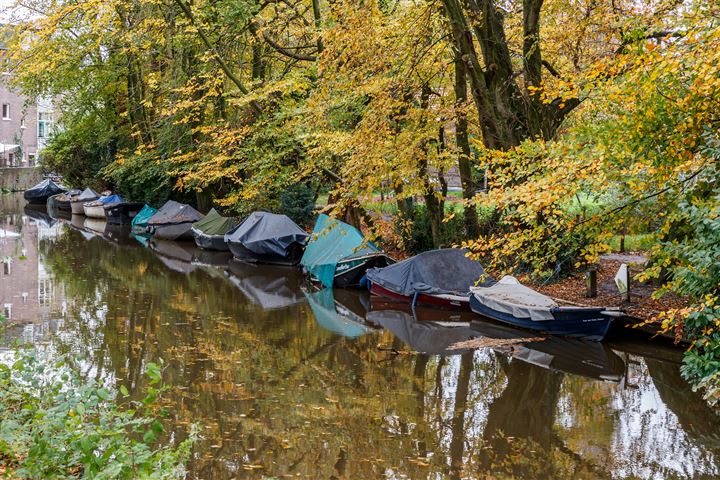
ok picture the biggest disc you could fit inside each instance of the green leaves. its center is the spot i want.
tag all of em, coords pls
(57, 430)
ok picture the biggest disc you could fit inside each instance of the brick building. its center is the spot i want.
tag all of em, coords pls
(25, 124)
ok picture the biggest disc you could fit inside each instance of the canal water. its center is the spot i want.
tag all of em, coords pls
(285, 381)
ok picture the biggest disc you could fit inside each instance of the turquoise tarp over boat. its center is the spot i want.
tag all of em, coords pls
(333, 241)
(140, 222)
(327, 316)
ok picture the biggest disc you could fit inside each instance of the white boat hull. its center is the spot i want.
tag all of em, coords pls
(97, 211)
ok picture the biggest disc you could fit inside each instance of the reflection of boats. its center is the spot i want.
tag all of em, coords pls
(423, 336)
(211, 258)
(123, 212)
(87, 195)
(95, 225)
(339, 255)
(39, 214)
(96, 208)
(346, 319)
(78, 223)
(267, 238)
(40, 193)
(439, 278)
(569, 355)
(210, 232)
(269, 286)
(176, 256)
(117, 233)
(173, 221)
(508, 301)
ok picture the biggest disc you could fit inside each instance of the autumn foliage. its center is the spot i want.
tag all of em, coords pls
(586, 117)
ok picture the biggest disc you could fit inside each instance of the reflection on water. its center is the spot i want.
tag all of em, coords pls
(288, 381)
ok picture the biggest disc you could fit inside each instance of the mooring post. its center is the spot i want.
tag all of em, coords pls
(591, 282)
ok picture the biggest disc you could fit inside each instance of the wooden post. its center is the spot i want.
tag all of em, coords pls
(591, 283)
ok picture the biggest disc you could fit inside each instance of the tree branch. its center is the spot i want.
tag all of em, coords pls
(224, 66)
(287, 51)
(649, 36)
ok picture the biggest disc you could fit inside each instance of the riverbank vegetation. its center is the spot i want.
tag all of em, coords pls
(586, 119)
(56, 424)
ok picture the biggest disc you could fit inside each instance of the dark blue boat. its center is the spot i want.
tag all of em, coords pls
(510, 302)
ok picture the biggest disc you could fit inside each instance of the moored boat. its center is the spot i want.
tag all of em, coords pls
(40, 193)
(96, 209)
(87, 195)
(62, 201)
(508, 301)
(139, 223)
(339, 255)
(267, 238)
(210, 232)
(173, 221)
(438, 278)
(122, 213)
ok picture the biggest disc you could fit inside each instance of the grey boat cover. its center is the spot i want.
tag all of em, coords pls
(445, 271)
(512, 297)
(174, 213)
(87, 195)
(266, 233)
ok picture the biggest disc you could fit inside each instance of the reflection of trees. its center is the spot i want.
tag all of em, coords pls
(698, 419)
(272, 389)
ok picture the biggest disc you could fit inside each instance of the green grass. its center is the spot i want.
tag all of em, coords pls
(634, 242)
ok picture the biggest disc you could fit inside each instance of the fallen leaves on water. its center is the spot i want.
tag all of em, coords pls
(483, 342)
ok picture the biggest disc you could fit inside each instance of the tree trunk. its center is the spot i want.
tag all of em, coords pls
(472, 228)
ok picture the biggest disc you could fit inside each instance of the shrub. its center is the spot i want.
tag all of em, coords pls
(298, 202)
(54, 424)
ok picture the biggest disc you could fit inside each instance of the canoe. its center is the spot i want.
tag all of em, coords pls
(510, 302)
(96, 209)
(40, 193)
(122, 213)
(438, 278)
(209, 233)
(173, 221)
(339, 255)
(87, 195)
(267, 238)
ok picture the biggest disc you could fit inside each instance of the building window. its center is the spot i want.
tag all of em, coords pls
(6, 267)
(7, 311)
(6, 111)
(22, 123)
(11, 159)
(31, 159)
(44, 124)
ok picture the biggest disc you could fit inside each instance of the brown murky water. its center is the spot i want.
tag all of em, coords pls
(285, 381)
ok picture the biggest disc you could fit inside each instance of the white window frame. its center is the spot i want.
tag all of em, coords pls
(4, 116)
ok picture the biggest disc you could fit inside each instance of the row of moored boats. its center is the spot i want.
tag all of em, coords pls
(338, 255)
